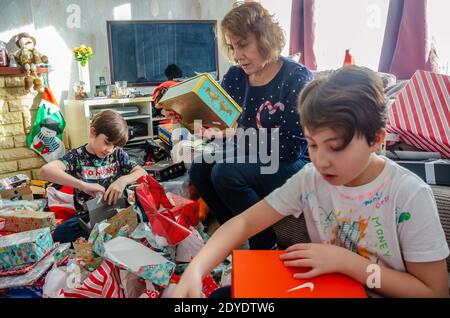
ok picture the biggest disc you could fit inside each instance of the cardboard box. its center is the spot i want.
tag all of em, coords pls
(21, 221)
(201, 98)
(100, 211)
(435, 172)
(261, 274)
(21, 249)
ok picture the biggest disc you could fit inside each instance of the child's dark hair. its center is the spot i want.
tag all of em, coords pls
(173, 71)
(112, 125)
(349, 101)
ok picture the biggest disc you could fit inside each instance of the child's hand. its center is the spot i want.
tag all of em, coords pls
(114, 191)
(92, 188)
(321, 258)
(190, 286)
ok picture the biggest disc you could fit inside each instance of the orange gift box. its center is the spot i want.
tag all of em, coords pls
(262, 274)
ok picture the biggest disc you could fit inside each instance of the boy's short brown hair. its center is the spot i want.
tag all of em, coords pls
(349, 101)
(252, 17)
(112, 125)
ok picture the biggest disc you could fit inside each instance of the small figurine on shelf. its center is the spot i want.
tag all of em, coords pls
(28, 57)
(80, 90)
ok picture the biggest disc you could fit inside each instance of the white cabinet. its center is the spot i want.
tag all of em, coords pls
(78, 114)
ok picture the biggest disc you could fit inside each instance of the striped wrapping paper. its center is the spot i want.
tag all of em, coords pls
(420, 114)
(104, 282)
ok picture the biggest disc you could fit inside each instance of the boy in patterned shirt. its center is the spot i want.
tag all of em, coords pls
(100, 167)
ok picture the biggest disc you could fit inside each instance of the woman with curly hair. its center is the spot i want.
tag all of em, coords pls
(266, 85)
(268, 133)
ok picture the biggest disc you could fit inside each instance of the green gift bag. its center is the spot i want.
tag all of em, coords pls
(45, 137)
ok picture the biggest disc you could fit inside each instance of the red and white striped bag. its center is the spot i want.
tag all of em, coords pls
(104, 282)
(420, 114)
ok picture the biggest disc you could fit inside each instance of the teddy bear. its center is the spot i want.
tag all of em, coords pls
(27, 57)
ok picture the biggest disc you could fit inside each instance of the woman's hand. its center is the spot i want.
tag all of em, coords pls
(176, 118)
(114, 191)
(320, 258)
(92, 188)
(189, 286)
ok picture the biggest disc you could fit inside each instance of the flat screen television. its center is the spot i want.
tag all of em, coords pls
(142, 52)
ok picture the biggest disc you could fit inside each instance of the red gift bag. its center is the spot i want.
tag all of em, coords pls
(420, 114)
(166, 219)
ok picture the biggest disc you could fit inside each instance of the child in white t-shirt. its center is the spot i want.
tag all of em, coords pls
(360, 208)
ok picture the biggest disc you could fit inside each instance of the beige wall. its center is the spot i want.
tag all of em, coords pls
(55, 25)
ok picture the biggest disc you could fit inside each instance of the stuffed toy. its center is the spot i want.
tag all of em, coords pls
(27, 57)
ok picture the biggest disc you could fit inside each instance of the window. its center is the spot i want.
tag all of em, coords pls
(357, 25)
(282, 12)
(439, 26)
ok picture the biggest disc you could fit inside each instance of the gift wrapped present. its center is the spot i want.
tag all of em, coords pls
(201, 98)
(140, 260)
(21, 221)
(23, 205)
(56, 257)
(21, 249)
(420, 114)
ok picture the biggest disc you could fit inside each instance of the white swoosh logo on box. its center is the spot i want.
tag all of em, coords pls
(305, 285)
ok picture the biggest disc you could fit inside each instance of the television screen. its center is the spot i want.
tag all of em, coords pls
(151, 52)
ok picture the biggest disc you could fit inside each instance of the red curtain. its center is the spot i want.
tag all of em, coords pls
(302, 32)
(406, 46)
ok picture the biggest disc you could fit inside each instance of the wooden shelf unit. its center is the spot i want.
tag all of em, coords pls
(78, 115)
